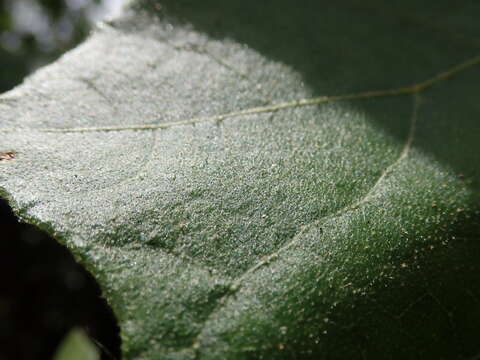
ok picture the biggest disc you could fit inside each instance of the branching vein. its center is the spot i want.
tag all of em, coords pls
(367, 197)
(406, 149)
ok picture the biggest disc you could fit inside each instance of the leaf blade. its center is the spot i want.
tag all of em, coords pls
(189, 212)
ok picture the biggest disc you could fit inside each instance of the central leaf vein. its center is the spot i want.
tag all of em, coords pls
(408, 90)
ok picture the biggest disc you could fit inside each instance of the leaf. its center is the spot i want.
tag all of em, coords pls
(265, 179)
(77, 346)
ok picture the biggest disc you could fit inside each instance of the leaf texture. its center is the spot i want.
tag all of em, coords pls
(265, 179)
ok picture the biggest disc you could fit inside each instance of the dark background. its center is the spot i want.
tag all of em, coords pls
(43, 291)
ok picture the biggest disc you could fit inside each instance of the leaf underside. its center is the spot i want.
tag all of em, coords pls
(265, 179)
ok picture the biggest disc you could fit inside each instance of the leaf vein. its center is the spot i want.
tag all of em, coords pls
(388, 170)
(408, 90)
(236, 284)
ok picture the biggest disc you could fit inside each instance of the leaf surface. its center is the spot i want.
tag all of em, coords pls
(264, 179)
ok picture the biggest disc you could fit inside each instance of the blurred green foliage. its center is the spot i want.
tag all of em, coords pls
(77, 346)
(35, 32)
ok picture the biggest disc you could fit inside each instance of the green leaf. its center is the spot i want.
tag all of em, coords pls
(265, 179)
(77, 346)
